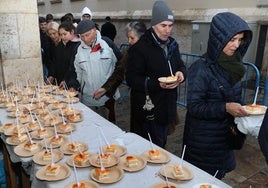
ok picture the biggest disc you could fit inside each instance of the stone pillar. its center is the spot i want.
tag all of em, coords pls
(19, 42)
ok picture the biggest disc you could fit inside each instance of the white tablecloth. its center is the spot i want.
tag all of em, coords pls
(89, 131)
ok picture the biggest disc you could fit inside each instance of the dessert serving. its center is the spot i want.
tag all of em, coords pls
(57, 140)
(157, 156)
(81, 185)
(205, 186)
(31, 146)
(75, 117)
(169, 79)
(177, 172)
(33, 125)
(102, 174)
(81, 158)
(19, 138)
(105, 158)
(6, 126)
(25, 118)
(53, 170)
(41, 133)
(131, 161)
(255, 109)
(53, 120)
(164, 185)
(47, 155)
(107, 175)
(44, 157)
(19, 129)
(154, 154)
(70, 148)
(65, 127)
(112, 149)
(73, 147)
(44, 115)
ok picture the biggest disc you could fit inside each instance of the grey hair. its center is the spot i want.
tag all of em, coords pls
(137, 27)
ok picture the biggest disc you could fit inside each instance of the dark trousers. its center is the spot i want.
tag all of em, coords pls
(158, 132)
(107, 110)
(110, 106)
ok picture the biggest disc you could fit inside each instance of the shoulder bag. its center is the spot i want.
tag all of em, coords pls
(235, 138)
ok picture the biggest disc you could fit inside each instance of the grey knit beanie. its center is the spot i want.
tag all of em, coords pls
(161, 12)
(84, 26)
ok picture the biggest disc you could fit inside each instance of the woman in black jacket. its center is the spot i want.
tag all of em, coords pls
(214, 95)
(64, 55)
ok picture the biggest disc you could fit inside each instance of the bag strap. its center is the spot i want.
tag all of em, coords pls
(221, 88)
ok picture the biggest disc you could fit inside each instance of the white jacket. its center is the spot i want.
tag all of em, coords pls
(86, 11)
(93, 70)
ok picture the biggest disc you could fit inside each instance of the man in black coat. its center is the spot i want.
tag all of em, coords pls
(45, 43)
(108, 29)
(155, 55)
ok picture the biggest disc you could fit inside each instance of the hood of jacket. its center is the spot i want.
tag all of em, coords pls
(222, 29)
(86, 10)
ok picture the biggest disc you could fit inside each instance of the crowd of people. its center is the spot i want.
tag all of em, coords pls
(78, 55)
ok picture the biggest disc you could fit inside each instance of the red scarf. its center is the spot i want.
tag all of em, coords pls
(96, 48)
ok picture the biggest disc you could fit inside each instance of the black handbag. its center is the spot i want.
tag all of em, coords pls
(235, 138)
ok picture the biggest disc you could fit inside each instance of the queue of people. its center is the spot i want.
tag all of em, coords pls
(93, 65)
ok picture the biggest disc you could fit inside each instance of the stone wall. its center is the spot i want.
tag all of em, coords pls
(19, 41)
(183, 23)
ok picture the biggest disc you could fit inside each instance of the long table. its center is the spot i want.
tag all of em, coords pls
(90, 131)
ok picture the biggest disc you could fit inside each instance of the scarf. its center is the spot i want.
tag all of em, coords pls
(161, 43)
(233, 65)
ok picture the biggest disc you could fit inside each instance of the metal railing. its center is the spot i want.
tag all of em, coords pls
(188, 60)
(250, 81)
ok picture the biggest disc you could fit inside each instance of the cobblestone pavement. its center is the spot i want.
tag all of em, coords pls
(251, 170)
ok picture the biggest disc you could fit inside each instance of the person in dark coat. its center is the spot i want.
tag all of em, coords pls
(214, 95)
(155, 55)
(45, 43)
(263, 136)
(64, 55)
(108, 29)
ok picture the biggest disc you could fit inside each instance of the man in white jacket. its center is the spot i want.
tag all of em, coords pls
(86, 14)
(94, 64)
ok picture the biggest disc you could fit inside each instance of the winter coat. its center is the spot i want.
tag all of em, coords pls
(207, 121)
(63, 58)
(146, 59)
(93, 67)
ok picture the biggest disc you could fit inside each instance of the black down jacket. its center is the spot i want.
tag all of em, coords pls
(207, 121)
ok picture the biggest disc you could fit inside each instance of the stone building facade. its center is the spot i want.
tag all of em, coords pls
(19, 33)
(19, 42)
(186, 14)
